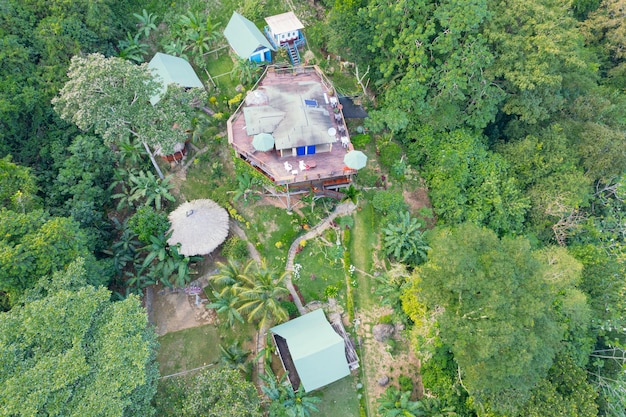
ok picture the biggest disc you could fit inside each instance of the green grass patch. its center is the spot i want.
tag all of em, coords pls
(217, 67)
(339, 399)
(364, 240)
(321, 268)
(272, 231)
(188, 349)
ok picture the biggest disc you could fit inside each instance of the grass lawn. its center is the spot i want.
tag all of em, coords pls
(219, 66)
(188, 349)
(199, 346)
(321, 267)
(339, 399)
(272, 231)
(364, 240)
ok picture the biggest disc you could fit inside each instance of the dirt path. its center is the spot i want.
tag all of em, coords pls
(379, 360)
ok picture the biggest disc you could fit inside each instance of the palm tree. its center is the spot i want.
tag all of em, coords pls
(390, 287)
(121, 182)
(235, 357)
(176, 48)
(132, 49)
(404, 241)
(231, 274)
(226, 303)
(200, 35)
(395, 403)
(284, 400)
(245, 188)
(298, 403)
(352, 194)
(260, 293)
(245, 71)
(125, 247)
(164, 262)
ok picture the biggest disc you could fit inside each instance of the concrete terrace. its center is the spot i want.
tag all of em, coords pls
(277, 105)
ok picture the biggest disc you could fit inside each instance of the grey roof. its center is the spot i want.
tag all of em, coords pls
(288, 119)
(262, 119)
(244, 37)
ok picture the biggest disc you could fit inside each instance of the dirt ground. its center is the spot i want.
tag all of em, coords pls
(171, 310)
(381, 360)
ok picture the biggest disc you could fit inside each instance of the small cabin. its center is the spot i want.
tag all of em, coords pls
(284, 29)
(169, 69)
(312, 353)
(246, 40)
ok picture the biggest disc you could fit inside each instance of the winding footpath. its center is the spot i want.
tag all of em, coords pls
(342, 209)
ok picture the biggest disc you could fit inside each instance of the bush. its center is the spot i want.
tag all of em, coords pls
(360, 141)
(148, 222)
(291, 308)
(390, 153)
(406, 383)
(386, 319)
(331, 291)
(235, 249)
(387, 201)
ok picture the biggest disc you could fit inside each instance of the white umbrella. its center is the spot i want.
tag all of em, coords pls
(263, 142)
(199, 226)
(355, 159)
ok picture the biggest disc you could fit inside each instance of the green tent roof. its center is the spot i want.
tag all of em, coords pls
(244, 37)
(171, 69)
(318, 352)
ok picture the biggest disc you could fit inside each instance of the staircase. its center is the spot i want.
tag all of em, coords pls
(293, 54)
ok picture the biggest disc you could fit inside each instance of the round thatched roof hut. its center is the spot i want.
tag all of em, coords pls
(199, 226)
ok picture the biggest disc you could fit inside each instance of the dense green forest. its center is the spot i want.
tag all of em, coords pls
(513, 113)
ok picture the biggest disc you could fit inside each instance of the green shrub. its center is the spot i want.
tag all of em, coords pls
(148, 222)
(386, 319)
(346, 238)
(360, 141)
(331, 291)
(235, 248)
(406, 383)
(390, 153)
(291, 308)
(387, 201)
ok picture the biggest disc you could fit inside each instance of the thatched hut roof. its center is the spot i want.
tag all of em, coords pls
(199, 226)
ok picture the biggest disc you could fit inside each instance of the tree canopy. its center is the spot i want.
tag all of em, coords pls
(69, 350)
(496, 312)
(111, 97)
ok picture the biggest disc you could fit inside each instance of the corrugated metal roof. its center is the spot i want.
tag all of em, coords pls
(318, 352)
(288, 118)
(285, 22)
(169, 69)
(244, 37)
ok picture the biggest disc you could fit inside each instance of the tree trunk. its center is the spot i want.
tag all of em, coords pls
(154, 163)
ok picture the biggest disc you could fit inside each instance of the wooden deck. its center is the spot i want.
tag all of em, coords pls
(329, 169)
(351, 355)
